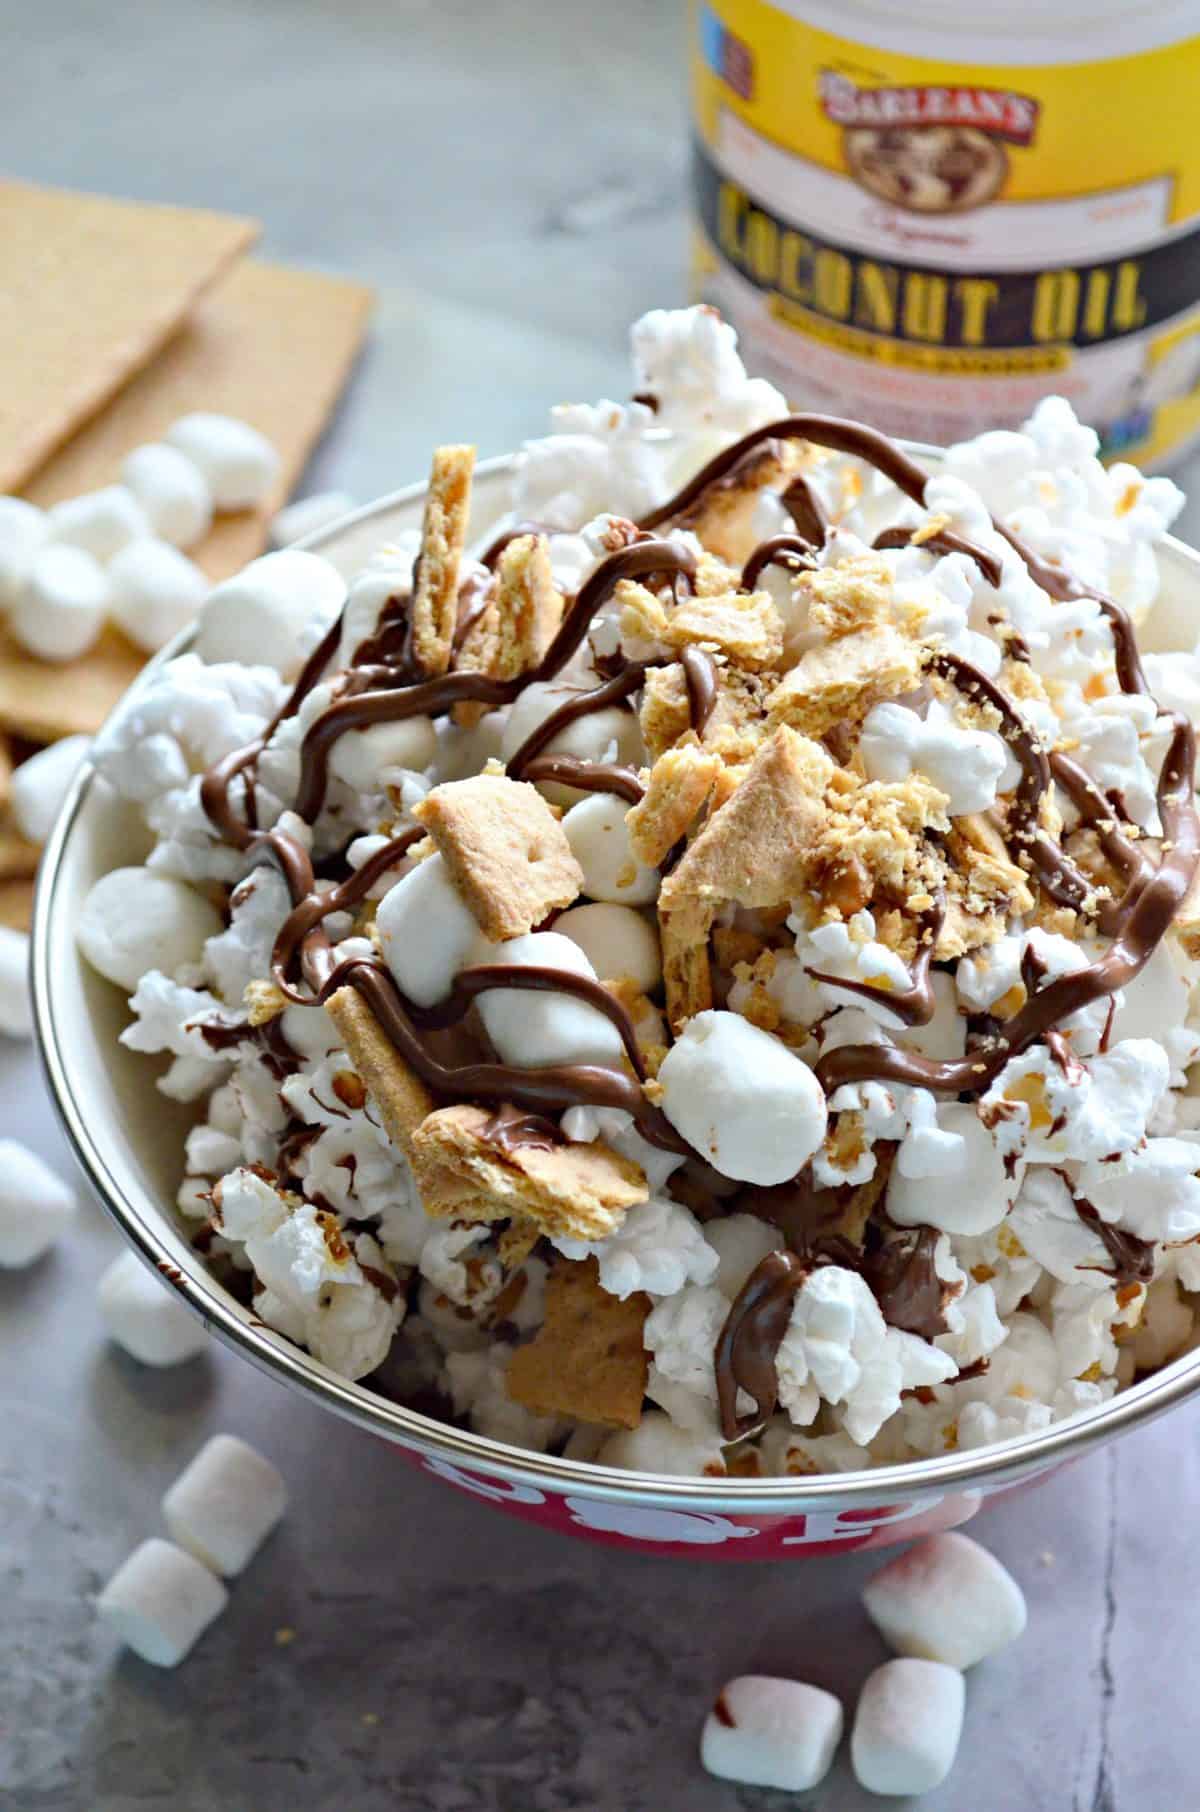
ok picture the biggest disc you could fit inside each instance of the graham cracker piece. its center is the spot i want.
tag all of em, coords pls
(507, 853)
(736, 723)
(16, 904)
(443, 537)
(857, 594)
(687, 971)
(571, 1191)
(400, 1096)
(6, 772)
(743, 626)
(665, 713)
(92, 288)
(723, 518)
(270, 345)
(680, 782)
(529, 605)
(44, 700)
(588, 1360)
(18, 859)
(839, 681)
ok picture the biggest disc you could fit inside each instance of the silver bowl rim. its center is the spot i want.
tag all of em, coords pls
(1003, 1463)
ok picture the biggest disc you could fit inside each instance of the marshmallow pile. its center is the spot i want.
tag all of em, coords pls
(1007, 1215)
(944, 1605)
(218, 1513)
(117, 554)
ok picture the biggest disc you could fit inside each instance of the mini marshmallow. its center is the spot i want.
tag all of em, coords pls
(223, 1505)
(239, 464)
(308, 516)
(747, 1104)
(16, 1006)
(427, 932)
(156, 592)
(144, 1317)
(172, 491)
(99, 522)
(590, 738)
(23, 528)
(533, 1029)
(160, 1602)
(907, 1727)
(954, 1176)
(40, 785)
(61, 606)
(947, 1599)
(134, 920)
(599, 839)
(272, 613)
(362, 757)
(771, 1733)
(616, 940)
(36, 1206)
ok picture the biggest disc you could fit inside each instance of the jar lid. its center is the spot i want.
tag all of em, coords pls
(1005, 31)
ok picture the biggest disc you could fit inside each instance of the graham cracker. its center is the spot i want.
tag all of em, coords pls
(92, 288)
(272, 346)
(588, 1360)
(400, 1096)
(6, 772)
(16, 904)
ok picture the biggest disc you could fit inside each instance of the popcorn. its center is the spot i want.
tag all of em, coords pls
(239, 464)
(224, 1504)
(772, 1733)
(1053, 1112)
(952, 1175)
(660, 1445)
(740, 1097)
(143, 1315)
(658, 1247)
(946, 1599)
(160, 1602)
(36, 1206)
(60, 608)
(907, 1727)
(966, 765)
(133, 922)
(172, 490)
(681, 1332)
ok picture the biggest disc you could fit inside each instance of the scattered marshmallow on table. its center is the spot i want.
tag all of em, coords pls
(223, 1505)
(746, 1102)
(134, 920)
(36, 1206)
(16, 1006)
(172, 490)
(62, 603)
(947, 1599)
(272, 613)
(144, 1317)
(23, 528)
(161, 1601)
(771, 1733)
(239, 464)
(309, 515)
(156, 592)
(907, 1726)
(99, 522)
(40, 784)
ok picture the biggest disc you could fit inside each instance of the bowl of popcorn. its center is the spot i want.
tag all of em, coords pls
(656, 974)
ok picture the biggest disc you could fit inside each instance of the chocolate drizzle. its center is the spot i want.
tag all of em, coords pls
(700, 676)
(1132, 1258)
(749, 1342)
(945, 542)
(916, 1004)
(791, 551)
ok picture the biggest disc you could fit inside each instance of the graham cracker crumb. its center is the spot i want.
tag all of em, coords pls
(588, 1361)
(401, 1098)
(263, 1001)
(507, 853)
(443, 536)
(569, 1191)
(680, 782)
(744, 627)
(841, 600)
(839, 682)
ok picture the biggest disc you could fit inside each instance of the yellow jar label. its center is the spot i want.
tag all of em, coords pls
(936, 245)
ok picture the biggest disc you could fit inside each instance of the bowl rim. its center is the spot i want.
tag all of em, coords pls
(447, 1446)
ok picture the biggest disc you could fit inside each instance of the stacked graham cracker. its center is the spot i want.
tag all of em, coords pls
(116, 318)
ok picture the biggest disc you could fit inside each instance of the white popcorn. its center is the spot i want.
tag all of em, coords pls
(133, 921)
(476, 1383)
(907, 1727)
(687, 359)
(156, 592)
(16, 1003)
(23, 529)
(1049, 1227)
(681, 1333)
(204, 711)
(599, 839)
(160, 1602)
(450, 1262)
(617, 941)
(427, 932)
(40, 784)
(532, 1029)
(772, 1733)
(658, 1247)
(657, 1444)
(241, 953)
(952, 1175)
(36, 1206)
(1091, 1110)
(309, 516)
(946, 1599)
(737, 1094)
(966, 765)
(837, 1348)
(224, 1504)
(144, 1316)
(785, 1453)
(239, 464)
(172, 490)
(99, 523)
(60, 607)
(272, 613)
(851, 950)
(1152, 1191)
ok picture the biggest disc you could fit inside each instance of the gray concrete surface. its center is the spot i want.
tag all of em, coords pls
(511, 179)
